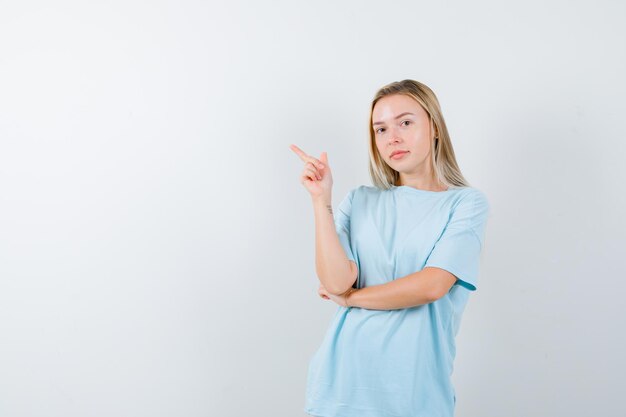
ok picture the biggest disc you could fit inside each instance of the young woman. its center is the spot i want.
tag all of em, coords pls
(400, 259)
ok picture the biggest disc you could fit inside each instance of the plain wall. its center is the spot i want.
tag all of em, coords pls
(157, 247)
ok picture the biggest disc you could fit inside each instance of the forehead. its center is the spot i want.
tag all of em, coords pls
(388, 107)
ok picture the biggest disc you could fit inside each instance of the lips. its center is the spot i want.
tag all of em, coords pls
(398, 154)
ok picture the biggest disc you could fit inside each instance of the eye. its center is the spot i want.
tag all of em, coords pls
(408, 121)
(380, 129)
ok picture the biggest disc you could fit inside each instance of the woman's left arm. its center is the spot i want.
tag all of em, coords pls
(418, 288)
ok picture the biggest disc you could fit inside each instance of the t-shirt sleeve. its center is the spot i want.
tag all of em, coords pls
(459, 246)
(342, 223)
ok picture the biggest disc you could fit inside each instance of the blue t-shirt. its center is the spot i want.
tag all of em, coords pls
(398, 363)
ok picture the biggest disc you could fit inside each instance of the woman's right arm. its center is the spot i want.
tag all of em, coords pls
(335, 271)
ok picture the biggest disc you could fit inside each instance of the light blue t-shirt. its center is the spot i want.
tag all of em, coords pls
(398, 363)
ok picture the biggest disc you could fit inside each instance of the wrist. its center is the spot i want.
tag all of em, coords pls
(348, 297)
(321, 200)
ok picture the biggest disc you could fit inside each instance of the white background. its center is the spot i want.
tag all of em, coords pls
(157, 247)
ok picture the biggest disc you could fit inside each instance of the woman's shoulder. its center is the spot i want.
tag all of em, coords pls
(363, 189)
(367, 189)
(472, 193)
(472, 199)
(366, 194)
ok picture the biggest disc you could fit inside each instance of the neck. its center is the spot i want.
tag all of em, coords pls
(422, 184)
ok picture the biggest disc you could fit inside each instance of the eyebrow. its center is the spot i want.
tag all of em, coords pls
(397, 117)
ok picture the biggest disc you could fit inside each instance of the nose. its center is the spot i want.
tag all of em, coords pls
(394, 136)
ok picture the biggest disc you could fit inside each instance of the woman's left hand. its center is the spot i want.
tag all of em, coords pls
(341, 299)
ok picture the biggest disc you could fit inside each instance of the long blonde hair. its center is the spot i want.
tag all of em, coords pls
(443, 161)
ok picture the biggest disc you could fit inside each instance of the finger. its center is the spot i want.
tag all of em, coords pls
(323, 160)
(308, 174)
(310, 167)
(305, 157)
(299, 152)
(314, 174)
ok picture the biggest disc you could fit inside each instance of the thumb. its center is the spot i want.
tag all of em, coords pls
(324, 158)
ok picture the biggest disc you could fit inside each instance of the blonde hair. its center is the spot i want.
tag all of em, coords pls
(443, 161)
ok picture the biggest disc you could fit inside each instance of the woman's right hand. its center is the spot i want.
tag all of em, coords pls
(316, 176)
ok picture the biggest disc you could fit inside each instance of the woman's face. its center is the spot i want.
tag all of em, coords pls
(401, 124)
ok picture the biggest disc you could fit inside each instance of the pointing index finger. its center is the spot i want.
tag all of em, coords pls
(299, 152)
(305, 157)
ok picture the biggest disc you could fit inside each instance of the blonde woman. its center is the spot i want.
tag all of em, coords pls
(400, 259)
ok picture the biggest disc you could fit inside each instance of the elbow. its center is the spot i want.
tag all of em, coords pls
(337, 290)
(347, 283)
